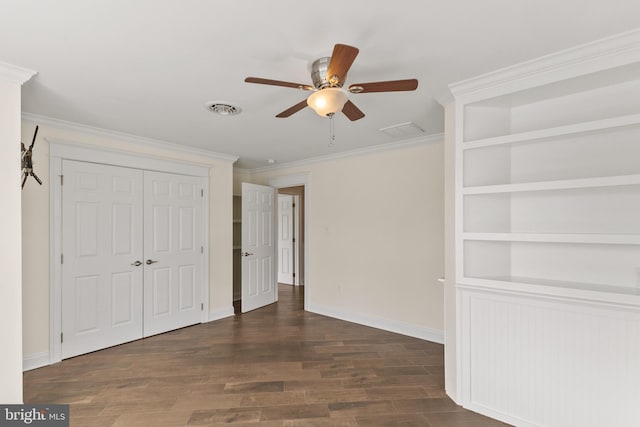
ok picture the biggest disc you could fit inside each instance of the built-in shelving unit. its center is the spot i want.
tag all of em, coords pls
(237, 246)
(551, 184)
(548, 235)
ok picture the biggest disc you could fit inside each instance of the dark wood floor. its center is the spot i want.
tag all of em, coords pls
(276, 366)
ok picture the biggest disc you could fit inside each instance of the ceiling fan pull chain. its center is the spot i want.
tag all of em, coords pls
(332, 134)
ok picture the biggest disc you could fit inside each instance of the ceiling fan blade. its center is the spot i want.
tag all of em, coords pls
(277, 83)
(291, 110)
(341, 60)
(352, 112)
(387, 86)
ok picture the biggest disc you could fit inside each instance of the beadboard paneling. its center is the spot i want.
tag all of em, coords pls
(537, 361)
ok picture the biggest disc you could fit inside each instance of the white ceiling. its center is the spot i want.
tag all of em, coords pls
(148, 67)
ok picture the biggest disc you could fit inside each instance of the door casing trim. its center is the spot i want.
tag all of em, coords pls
(293, 181)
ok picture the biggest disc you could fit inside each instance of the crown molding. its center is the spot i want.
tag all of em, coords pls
(444, 98)
(390, 146)
(241, 170)
(15, 74)
(131, 139)
(616, 50)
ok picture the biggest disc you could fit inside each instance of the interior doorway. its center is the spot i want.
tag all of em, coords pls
(301, 180)
(291, 235)
(295, 185)
(297, 266)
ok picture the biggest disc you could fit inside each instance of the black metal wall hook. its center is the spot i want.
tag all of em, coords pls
(27, 161)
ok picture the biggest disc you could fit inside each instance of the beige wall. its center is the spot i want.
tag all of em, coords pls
(375, 234)
(238, 179)
(35, 249)
(35, 230)
(10, 253)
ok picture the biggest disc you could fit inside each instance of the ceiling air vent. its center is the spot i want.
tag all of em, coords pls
(223, 108)
(403, 131)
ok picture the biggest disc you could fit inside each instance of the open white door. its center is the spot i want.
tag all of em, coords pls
(285, 239)
(258, 247)
(102, 256)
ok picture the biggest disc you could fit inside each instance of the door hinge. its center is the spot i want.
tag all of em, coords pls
(201, 249)
(294, 274)
(61, 258)
(61, 337)
(293, 205)
(293, 239)
(202, 192)
(61, 179)
(201, 306)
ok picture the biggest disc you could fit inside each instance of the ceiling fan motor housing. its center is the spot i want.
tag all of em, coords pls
(319, 70)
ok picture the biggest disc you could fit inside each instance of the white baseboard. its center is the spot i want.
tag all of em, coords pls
(37, 360)
(221, 313)
(397, 327)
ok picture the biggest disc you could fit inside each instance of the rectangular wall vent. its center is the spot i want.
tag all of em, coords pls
(403, 131)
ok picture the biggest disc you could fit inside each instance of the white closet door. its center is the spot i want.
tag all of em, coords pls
(101, 242)
(258, 247)
(173, 271)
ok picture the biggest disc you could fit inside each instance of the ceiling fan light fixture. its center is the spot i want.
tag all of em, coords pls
(327, 101)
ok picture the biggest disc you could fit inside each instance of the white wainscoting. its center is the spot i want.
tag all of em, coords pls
(540, 361)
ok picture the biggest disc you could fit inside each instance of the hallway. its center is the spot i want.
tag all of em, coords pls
(276, 366)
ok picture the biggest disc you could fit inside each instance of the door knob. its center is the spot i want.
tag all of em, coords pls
(149, 262)
(246, 253)
(136, 264)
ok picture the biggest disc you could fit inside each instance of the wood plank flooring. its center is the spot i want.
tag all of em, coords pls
(277, 366)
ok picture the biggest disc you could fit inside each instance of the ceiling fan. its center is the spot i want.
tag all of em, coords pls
(329, 75)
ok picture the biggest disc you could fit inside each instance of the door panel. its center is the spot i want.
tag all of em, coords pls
(267, 281)
(122, 229)
(186, 284)
(187, 225)
(123, 310)
(102, 237)
(173, 226)
(87, 291)
(258, 247)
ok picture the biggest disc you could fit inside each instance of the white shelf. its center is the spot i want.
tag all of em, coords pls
(566, 184)
(606, 239)
(559, 131)
(628, 296)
